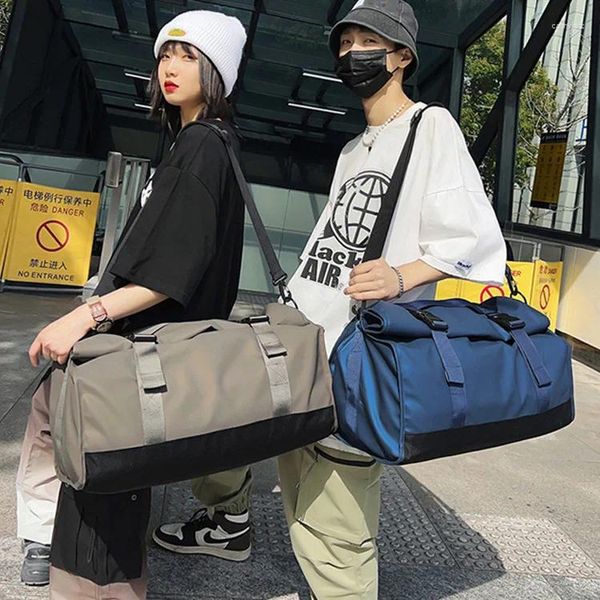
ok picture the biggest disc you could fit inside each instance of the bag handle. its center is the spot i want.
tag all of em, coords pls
(383, 222)
(278, 275)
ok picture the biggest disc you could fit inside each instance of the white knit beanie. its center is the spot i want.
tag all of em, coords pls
(219, 37)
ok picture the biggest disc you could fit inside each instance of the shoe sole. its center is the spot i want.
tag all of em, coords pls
(35, 577)
(233, 555)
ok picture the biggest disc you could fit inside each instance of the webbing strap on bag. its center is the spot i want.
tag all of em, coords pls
(274, 353)
(453, 371)
(533, 359)
(516, 328)
(455, 377)
(59, 413)
(151, 385)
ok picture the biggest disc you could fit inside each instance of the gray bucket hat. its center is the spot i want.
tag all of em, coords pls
(393, 19)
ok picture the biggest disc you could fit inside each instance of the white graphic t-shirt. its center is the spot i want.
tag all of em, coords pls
(443, 217)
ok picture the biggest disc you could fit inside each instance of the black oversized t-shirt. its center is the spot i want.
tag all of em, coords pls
(187, 241)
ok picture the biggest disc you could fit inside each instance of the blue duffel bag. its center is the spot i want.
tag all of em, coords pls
(426, 379)
(421, 380)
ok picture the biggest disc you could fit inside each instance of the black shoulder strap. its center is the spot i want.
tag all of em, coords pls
(278, 275)
(388, 204)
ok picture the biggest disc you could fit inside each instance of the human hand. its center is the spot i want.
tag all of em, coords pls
(373, 280)
(57, 339)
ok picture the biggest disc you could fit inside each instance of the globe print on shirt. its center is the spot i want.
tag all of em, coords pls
(342, 244)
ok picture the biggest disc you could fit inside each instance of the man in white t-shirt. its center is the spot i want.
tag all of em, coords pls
(443, 226)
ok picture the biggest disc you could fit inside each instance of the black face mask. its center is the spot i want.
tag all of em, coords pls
(364, 71)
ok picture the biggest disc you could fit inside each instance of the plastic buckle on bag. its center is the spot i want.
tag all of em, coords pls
(507, 322)
(430, 320)
(143, 338)
(256, 320)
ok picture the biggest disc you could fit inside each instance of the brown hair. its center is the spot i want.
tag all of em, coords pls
(212, 90)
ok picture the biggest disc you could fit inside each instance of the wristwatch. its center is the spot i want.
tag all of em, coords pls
(99, 314)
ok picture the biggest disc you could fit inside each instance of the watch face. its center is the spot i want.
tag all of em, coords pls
(104, 326)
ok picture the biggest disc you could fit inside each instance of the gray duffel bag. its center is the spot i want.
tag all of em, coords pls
(181, 400)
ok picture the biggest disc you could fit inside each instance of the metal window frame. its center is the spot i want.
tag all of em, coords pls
(503, 121)
(590, 236)
(505, 165)
(591, 195)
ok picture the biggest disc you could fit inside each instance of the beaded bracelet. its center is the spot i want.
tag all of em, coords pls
(400, 281)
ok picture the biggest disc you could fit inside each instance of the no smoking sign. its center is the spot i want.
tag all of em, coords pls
(545, 297)
(52, 236)
(491, 291)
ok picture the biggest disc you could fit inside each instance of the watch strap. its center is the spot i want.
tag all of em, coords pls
(98, 311)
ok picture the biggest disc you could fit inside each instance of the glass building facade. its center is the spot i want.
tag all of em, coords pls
(74, 73)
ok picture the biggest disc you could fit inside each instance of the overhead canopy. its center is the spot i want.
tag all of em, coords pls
(287, 61)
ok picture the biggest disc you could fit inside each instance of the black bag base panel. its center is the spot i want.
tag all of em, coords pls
(427, 446)
(158, 464)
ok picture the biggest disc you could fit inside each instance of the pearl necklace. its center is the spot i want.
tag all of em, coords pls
(382, 127)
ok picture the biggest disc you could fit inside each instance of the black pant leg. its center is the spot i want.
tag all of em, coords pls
(101, 537)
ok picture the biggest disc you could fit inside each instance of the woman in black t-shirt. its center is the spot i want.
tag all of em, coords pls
(178, 260)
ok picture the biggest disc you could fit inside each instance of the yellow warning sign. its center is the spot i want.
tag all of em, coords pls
(448, 289)
(476, 292)
(539, 282)
(549, 170)
(546, 289)
(8, 190)
(523, 273)
(52, 235)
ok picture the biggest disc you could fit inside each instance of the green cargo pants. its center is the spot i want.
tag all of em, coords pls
(229, 491)
(331, 500)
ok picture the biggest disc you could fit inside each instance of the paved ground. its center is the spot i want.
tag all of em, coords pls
(517, 522)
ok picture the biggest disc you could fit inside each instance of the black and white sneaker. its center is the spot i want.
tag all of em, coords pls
(224, 535)
(36, 564)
